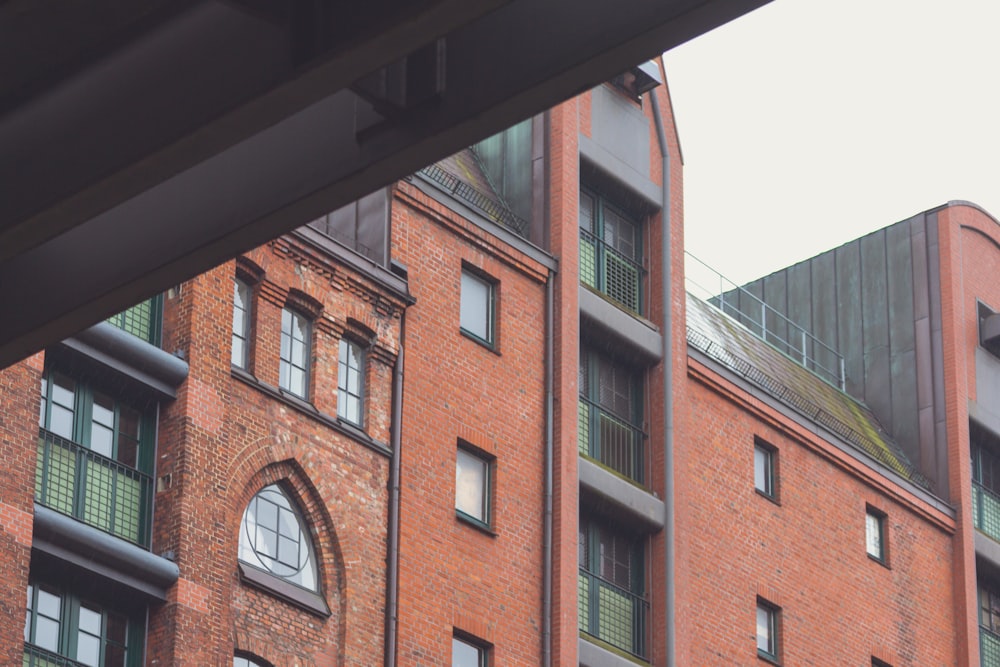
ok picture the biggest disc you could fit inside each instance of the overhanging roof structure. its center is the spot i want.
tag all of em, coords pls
(144, 141)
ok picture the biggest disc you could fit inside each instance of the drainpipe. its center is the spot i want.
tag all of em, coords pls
(392, 529)
(547, 493)
(668, 398)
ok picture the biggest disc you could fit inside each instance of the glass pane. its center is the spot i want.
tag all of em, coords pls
(88, 649)
(47, 634)
(63, 390)
(104, 410)
(764, 640)
(127, 450)
(90, 620)
(464, 654)
(586, 212)
(48, 604)
(288, 525)
(873, 535)
(114, 656)
(267, 513)
(266, 543)
(298, 353)
(470, 485)
(288, 551)
(297, 381)
(117, 625)
(762, 470)
(101, 439)
(475, 306)
(61, 422)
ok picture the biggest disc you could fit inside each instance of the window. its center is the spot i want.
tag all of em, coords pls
(465, 653)
(350, 382)
(767, 630)
(610, 251)
(875, 534)
(764, 467)
(473, 479)
(241, 324)
(478, 308)
(94, 457)
(60, 624)
(610, 411)
(879, 663)
(242, 661)
(274, 538)
(296, 336)
(612, 606)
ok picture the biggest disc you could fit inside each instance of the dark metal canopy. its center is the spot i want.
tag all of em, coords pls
(144, 141)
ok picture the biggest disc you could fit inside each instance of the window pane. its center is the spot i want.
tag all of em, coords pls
(88, 649)
(48, 604)
(764, 630)
(873, 535)
(278, 543)
(47, 634)
(464, 654)
(90, 621)
(470, 485)
(61, 422)
(762, 470)
(475, 307)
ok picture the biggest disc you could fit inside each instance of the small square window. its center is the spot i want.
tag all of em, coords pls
(764, 469)
(296, 340)
(350, 382)
(875, 534)
(767, 630)
(465, 653)
(478, 307)
(473, 477)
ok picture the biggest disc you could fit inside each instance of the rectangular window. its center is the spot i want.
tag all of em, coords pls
(478, 306)
(241, 324)
(610, 251)
(59, 625)
(875, 534)
(610, 414)
(611, 601)
(473, 479)
(767, 630)
(764, 460)
(350, 382)
(296, 338)
(466, 653)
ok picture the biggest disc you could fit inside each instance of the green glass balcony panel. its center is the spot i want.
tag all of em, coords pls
(622, 280)
(583, 601)
(142, 320)
(55, 474)
(583, 428)
(989, 648)
(616, 617)
(612, 614)
(588, 262)
(37, 657)
(611, 441)
(986, 511)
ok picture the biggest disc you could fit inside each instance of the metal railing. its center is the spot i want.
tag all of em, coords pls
(989, 648)
(611, 273)
(781, 333)
(35, 656)
(612, 614)
(494, 210)
(611, 441)
(143, 320)
(986, 510)
(99, 491)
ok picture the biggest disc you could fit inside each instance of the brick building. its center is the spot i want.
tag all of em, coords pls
(476, 419)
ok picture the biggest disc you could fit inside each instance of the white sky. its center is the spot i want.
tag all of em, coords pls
(809, 123)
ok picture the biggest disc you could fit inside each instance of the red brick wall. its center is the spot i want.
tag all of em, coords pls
(224, 438)
(454, 575)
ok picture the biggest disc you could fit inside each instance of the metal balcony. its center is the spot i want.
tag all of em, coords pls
(610, 272)
(611, 441)
(612, 614)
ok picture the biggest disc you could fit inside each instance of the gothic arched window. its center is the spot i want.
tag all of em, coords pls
(274, 538)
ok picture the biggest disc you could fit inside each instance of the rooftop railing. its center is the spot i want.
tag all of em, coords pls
(763, 321)
(612, 614)
(611, 441)
(143, 320)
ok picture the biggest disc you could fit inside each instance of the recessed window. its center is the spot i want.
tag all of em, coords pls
(767, 630)
(241, 324)
(296, 336)
(242, 661)
(473, 473)
(764, 467)
(465, 653)
(350, 382)
(610, 414)
(875, 534)
(879, 663)
(274, 538)
(478, 307)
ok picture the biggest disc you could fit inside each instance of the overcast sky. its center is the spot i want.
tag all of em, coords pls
(808, 123)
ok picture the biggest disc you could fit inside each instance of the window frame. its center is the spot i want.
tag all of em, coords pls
(770, 469)
(490, 307)
(483, 649)
(488, 462)
(246, 326)
(286, 364)
(772, 651)
(344, 373)
(601, 203)
(876, 518)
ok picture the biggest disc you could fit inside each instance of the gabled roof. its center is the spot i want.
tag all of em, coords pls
(729, 343)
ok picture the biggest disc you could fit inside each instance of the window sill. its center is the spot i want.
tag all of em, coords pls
(290, 593)
(475, 523)
(492, 347)
(767, 657)
(881, 561)
(766, 496)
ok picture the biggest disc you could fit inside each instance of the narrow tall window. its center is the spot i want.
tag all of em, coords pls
(465, 653)
(350, 382)
(767, 630)
(472, 486)
(478, 308)
(296, 337)
(875, 534)
(241, 324)
(764, 478)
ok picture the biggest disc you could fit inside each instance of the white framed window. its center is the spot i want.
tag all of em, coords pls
(478, 308)
(241, 324)
(473, 481)
(350, 382)
(296, 339)
(767, 630)
(875, 538)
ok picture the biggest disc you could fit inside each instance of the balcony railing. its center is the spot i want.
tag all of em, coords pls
(142, 320)
(612, 614)
(97, 490)
(39, 657)
(989, 648)
(986, 510)
(610, 272)
(611, 441)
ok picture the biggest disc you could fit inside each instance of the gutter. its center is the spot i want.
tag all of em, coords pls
(548, 485)
(392, 527)
(668, 398)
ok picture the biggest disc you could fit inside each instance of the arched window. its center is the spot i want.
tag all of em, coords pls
(273, 538)
(242, 661)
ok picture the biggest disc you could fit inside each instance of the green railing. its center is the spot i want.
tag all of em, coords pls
(610, 272)
(39, 657)
(989, 648)
(99, 491)
(986, 511)
(612, 614)
(611, 441)
(142, 320)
